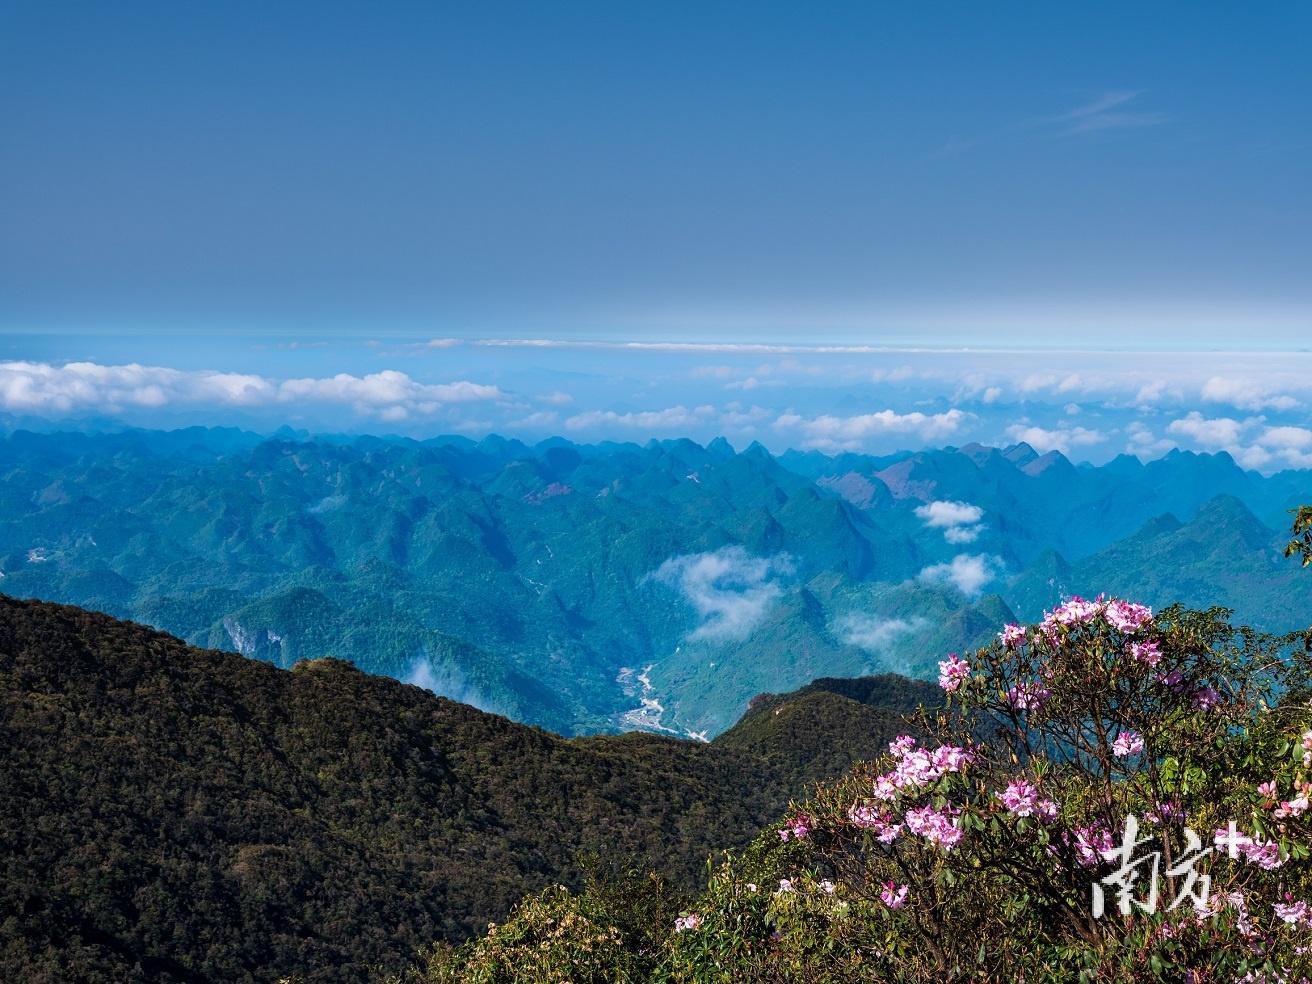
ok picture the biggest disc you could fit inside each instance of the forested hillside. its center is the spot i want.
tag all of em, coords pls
(598, 588)
(176, 814)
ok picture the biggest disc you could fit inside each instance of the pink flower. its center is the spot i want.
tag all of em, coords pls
(1172, 681)
(917, 767)
(894, 895)
(1295, 913)
(1165, 812)
(1091, 844)
(1205, 698)
(939, 827)
(882, 824)
(1076, 611)
(1291, 808)
(1022, 799)
(1126, 616)
(785, 886)
(1028, 696)
(1307, 749)
(952, 672)
(828, 887)
(1127, 743)
(1146, 652)
(797, 828)
(1012, 635)
(690, 921)
(1267, 790)
(1264, 854)
(900, 745)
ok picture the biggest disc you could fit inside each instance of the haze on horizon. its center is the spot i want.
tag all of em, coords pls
(866, 228)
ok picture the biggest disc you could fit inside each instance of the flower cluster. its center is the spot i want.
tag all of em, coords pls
(690, 921)
(1127, 743)
(918, 767)
(1022, 799)
(1012, 635)
(1295, 807)
(952, 672)
(941, 827)
(1091, 844)
(1146, 652)
(883, 824)
(1126, 617)
(1307, 749)
(798, 827)
(1264, 854)
(1296, 913)
(894, 895)
(1028, 696)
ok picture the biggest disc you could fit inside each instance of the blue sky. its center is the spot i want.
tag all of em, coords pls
(298, 190)
(984, 172)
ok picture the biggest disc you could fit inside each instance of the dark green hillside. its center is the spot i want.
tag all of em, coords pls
(795, 732)
(170, 813)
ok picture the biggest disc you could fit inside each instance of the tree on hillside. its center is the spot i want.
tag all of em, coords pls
(1301, 544)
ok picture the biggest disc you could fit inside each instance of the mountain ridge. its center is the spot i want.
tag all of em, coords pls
(172, 813)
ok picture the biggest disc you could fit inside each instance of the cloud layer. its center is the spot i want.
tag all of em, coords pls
(875, 634)
(732, 590)
(959, 521)
(968, 573)
(389, 395)
(831, 398)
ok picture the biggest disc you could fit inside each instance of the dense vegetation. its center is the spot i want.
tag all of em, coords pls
(174, 814)
(521, 579)
(1139, 811)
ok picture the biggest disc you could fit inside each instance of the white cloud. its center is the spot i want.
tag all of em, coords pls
(445, 681)
(968, 573)
(388, 393)
(82, 386)
(731, 589)
(1272, 448)
(850, 433)
(959, 521)
(541, 420)
(1144, 443)
(1061, 438)
(1246, 394)
(1210, 432)
(670, 418)
(875, 634)
(943, 513)
(1296, 438)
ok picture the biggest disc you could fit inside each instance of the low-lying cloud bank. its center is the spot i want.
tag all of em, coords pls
(875, 634)
(731, 589)
(959, 521)
(968, 573)
(389, 395)
(1254, 406)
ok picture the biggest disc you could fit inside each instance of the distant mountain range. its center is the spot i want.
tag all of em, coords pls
(176, 815)
(606, 587)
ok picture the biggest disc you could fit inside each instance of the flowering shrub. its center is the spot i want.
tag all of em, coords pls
(1108, 796)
